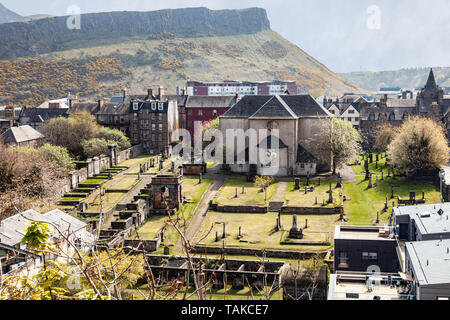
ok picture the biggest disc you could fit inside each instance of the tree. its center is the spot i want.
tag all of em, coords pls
(339, 139)
(116, 137)
(58, 132)
(384, 135)
(419, 144)
(95, 147)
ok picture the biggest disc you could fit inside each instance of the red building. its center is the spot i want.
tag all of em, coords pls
(206, 109)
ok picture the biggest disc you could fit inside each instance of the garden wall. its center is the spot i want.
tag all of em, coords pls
(252, 252)
(312, 210)
(239, 209)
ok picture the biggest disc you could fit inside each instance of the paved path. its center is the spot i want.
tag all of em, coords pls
(347, 174)
(279, 196)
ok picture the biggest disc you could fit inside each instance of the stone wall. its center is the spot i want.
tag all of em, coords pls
(239, 209)
(312, 210)
(285, 254)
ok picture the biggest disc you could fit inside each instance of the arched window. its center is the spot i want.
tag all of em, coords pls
(372, 117)
(392, 117)
(405, 116)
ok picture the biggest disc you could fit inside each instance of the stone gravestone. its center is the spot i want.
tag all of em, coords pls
(295, 232)
(366, 169)
(339, 182)
(319, 181)
(297, 183)
(377, 157)
(307, 180)
(371, 158)
(370, 186)
(200, 178)
(166, 251)
(382, 174)
(412, 196)
(330, 195)
(224, 234)
(376, 181)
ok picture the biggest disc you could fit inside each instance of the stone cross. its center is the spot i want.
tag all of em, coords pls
(294, 222)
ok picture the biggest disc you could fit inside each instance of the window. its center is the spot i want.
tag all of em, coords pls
(160, 137)
(373, 256)
(351, 111)
(153, 116)
(160, 127)
(189, 112)
(200, 112)
(135, 106)
(343, 259)
(371, 117)
(135, 137)
(160, 116)
(365, 256)
(215, 113)
(160, 106)
(153, 106)
(392, 117)
(135, 116)
(153, 127)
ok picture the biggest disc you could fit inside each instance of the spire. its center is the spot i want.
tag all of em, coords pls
(431, 82)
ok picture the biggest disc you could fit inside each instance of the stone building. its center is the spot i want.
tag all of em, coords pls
(297, 118)
(23, 136)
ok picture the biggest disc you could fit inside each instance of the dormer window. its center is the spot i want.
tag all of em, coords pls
(153, 106)
(160, 106)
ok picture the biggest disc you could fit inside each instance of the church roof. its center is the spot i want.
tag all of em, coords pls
(431, 82)
(274, 108)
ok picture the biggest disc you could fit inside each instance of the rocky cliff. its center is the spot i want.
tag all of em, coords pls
(52, 34)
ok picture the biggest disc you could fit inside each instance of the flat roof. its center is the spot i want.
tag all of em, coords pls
(430, 261)
(342, 288)
(361, 233)
(429, 218)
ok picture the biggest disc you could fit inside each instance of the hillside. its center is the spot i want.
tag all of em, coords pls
(7, 15)
(404, 78)
(169, 60)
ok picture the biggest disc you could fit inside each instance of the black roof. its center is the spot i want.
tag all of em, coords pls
(42, 114)
(79, 107)
(275, 107)
(300, 105)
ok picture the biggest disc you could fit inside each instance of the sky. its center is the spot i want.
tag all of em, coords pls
(345, 35)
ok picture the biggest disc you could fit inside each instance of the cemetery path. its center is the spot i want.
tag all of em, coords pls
(347, 174)
(279, 195)
(201, 210)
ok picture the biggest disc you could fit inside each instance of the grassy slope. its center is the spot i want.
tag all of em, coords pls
(252, 64)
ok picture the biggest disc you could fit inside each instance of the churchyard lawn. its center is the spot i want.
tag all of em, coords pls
(252, 197)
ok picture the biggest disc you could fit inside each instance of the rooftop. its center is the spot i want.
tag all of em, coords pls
(21, 134)
(354, 287)
(430, 261)
(429, 218)
(363, 233)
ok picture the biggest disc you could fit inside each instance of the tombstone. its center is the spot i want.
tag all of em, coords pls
(319, 181)
(243, 189)
(200, 178)
(339, 182)
(166, 251)
(297, 183)
(386, 205)
(277, 227)
(295, 232)
(279, 219)
(235, 193)
(306, 190)
(412, 196)
(378, 217)
(392, 192)
(240, 232)
(323, 202)
(389, 172)
(315, 203)
(366, 169)
(376, 181)
(376, 164)
(370, 186)
(224, 234)
(217, 237)
(330, 196)
(377, 157)
(382, 174)
(172, 166)
(423, 195)
(307, 180)
(306, 224)
(371, 158)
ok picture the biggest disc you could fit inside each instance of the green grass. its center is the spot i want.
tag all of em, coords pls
(364, 203)
(298, 198)
(212, 294)
(93, 181)
(109, 201)
(259, 230)
(123, 182)
(66, 199)
(192, 190)
(252, 196)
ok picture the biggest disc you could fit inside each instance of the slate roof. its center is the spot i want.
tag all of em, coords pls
(430, 261)
(274, 108)
(79, 107)
(13, 228)
(300, 105)
(42, 114)
(304, 156)
(398, 103)
(21, 134)
(210, 102)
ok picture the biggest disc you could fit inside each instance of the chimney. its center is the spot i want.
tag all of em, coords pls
(150, 93)
(160, 92)
(101, 103)
(124, 92)
(237, 96)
